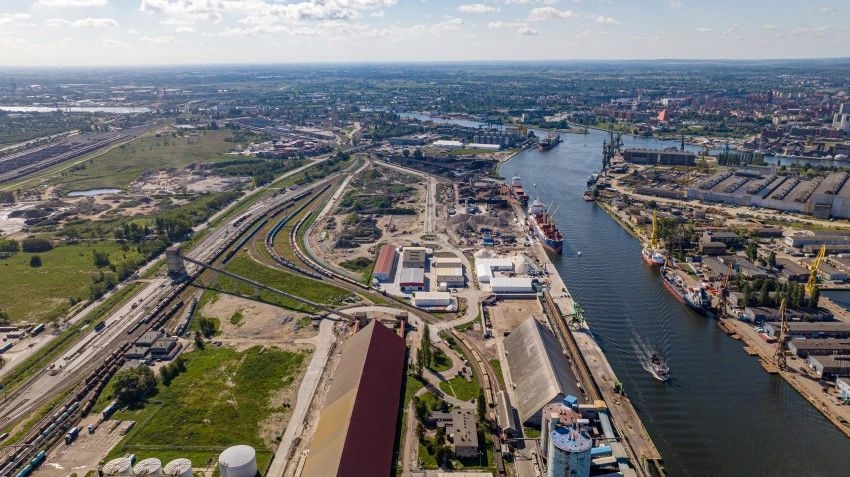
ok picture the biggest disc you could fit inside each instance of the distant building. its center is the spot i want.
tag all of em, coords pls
(841, 119)
(656, 156)
(384, 270)
(712, 248)
(357, 425)
(801, 239)
(165, 348)
(484, 267)
(538, 368)
(791, 270)
(730, 239)
(843, 386)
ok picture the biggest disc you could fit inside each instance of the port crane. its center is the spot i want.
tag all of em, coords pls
(813, 275)
(784, 337)
(724, 293)
(613, 145)
(653, 235)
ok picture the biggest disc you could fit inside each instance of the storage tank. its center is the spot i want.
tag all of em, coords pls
(178, 468)
(148, 467)
(238, 461)
(121, 466)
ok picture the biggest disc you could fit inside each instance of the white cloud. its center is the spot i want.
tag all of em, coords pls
(704, 30)
(549, 13)
(526, 2)
(501, 24)
(6, 18)
(158, 39)
(56, 22)
(827, 10)
(94, 23)
(527, 31)
(769, 27)
(264, 11)
(184, 29)
(71, 3)
(602, 19)
(477, 8)
(675, 3)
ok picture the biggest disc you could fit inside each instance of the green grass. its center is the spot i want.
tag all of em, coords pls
(220, 400)
(122, 165)
(460, 388)
(313, 290)
(358, 264)
(429, 461)
(237, 318)
(497, 368)
(439, 361)
(412, 386)
(65, 273)
(468, 151)
(531, 432)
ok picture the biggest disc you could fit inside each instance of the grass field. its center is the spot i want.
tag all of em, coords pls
(439, 361)
(313, 290)
(460, 388)
(221, 399)
(121, 166)
(65, 273)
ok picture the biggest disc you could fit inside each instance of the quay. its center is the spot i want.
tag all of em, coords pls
(595, 376)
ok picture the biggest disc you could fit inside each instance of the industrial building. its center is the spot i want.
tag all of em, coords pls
(825, 329)
(238, 461)
(413, 257)
(791, 270)
(843, 386)
(805, 347)
(505, 416)
(565, 441)
(412, 279)
(433, 299)
(656, 156)
(357, 425)
(538, 369)
(485, 266)
(463, 432)
(758, 314)
(829, 366)
(449, 276)
(511, 285)
(384, 270)
(801, 239)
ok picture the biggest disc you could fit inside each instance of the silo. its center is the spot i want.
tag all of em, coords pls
(178, 468)
(238, 461)
(121, 466)
(149, 467)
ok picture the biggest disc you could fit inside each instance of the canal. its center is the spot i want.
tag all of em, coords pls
(720, 414)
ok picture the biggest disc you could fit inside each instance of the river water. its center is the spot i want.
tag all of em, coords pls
(721, 414)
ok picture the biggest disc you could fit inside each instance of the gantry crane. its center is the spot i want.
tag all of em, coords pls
(813, 275)
(724, 293)
(779, 357)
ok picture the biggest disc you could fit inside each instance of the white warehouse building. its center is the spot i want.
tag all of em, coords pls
(511, 285)
(484, 267)
(432, 299)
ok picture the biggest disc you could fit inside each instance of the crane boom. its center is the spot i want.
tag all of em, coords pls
(653, 236)
(783, 337)
(813, 275)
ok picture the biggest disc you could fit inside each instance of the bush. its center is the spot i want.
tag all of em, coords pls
(133, 386)
(36, 245)
(9, 246)
(35, 261)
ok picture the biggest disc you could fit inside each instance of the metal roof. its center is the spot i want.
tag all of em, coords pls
(357, 426)
(386, 259)
(412, 275)
(538, 368)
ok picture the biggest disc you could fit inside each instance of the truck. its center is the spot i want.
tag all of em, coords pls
(6, 347)
(37, 329)
(72, 435)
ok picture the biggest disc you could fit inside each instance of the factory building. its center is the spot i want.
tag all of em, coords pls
(412, 279)
(413, 257)
(384, 270)
(791, 270)
(656, 156)
(801, 239)
(449, 276)
(463, 432)
(805, 348)
(485, 266)
(238, 461)
(357, 426)
(511, 285)
(822, 329)
(432, 299)
(538, 368)
(505, 414)
(829, 366)
(565, 440)
(843, 386)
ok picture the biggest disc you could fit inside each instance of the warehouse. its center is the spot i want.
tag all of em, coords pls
(357, 425)
(432, 299)
(829, 366)
(827, 329)
(413, 257)
(385, 265)
(538, 369)
(791, 270)
(484, 267)
(505, 414)
(804, 348)
(508, 285)
(830, 273)
(449, 277)
(412, 279)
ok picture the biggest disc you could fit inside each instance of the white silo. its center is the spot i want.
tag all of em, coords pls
(149, 467)
(238, 461)
(178, 468)
(121, 466)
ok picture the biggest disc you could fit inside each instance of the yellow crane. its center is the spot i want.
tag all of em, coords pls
(813, 275)
(653, 236)
(779, 357)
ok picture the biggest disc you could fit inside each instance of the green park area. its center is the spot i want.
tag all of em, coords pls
(222, 398)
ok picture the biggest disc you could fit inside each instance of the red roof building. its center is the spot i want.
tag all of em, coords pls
(357, 427)
(385, 264)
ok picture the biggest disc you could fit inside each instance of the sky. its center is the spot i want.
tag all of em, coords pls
(167, 32)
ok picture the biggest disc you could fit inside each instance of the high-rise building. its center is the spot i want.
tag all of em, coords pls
(841, 120)
(565, 440)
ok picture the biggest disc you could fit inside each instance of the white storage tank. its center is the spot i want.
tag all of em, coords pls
(121, 466)
(148, 467)
(178, 468)
(238, 461)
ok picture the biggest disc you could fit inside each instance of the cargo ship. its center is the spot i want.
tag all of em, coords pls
(542, 225)
(518, 191)
(695, 297)
(551, 140)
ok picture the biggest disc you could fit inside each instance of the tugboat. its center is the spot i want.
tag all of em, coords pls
(658, 368)
(551, 140)
(542, 225)
(650, 253)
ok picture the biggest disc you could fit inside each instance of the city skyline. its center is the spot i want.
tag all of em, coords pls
(165, 32)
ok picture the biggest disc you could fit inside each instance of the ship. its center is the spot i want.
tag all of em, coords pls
(658, 367)
(542, 225)
(591, 179)
(650, 253)
(551, 140)
(695, 297)
(518, 191)
(589, 195)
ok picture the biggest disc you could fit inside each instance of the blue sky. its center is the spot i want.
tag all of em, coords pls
(128, 32)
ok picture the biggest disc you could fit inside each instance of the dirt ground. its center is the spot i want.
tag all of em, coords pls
(507, 315)
(87, 449)
(260, 324)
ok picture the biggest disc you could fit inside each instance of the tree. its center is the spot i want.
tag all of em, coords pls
(9, 246)
(199, 341)
(101, 258)
(815, 298)
(417, 154)
(764, 295)
(4, 317)
(35, 261)
(405, 152)
(36, 245)
(425, 347)
(752, 250)
(771, 259)
(133, 386)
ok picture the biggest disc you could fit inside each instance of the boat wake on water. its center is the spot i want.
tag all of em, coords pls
(650, 359)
